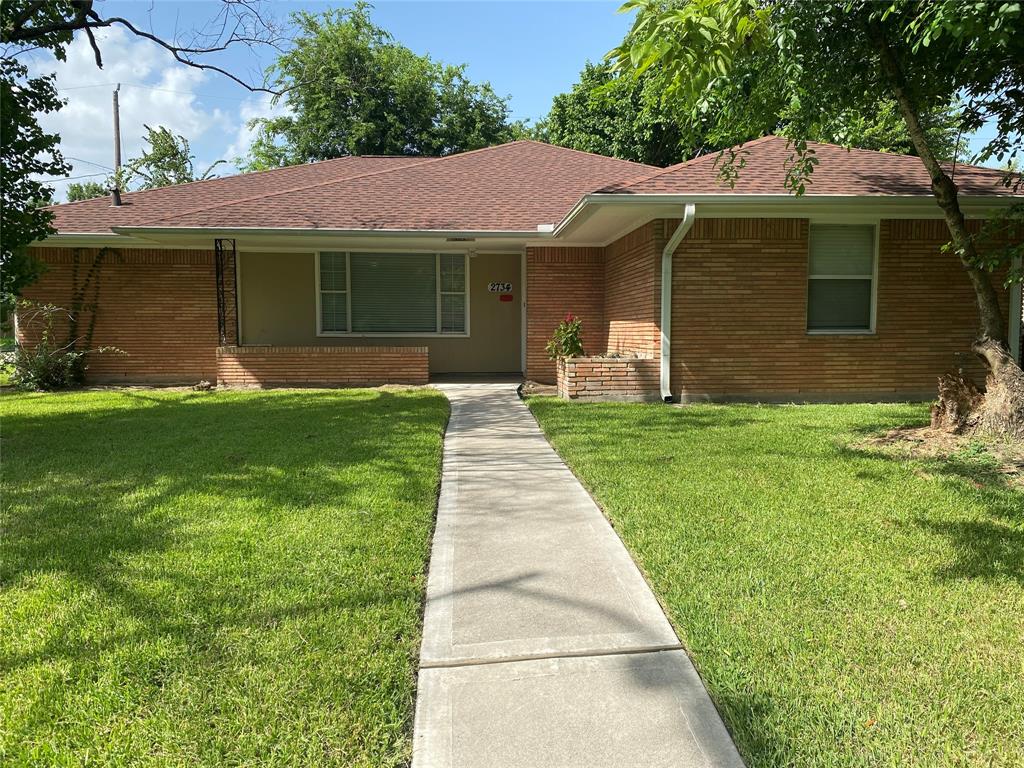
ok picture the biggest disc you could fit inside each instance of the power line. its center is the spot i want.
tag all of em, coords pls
(89, 162)
(72, 178)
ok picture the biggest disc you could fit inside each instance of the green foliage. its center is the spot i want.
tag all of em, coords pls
(567, 340)
(47, 364)
(86, 190)
(611, 113)
(352, 90)
(846, 608)
(167, 160)
(618, 116)
(25, 151)
(822, 67)
(736, 65)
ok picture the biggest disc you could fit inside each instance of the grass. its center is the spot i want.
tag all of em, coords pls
(229, 578)
(845, 607)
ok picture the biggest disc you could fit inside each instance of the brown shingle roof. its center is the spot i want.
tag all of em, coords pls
(139, 208)
(510, 187)
(840, 171)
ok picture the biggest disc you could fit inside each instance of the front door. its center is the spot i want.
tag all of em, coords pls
(495, 320)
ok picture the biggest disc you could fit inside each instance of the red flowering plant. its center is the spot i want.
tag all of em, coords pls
(566, 341)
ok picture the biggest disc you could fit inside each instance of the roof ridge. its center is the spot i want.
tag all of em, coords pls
(127, 194)
(407, 166)
(701, 158)
(958, 163)
(290, 190)
(581, 152)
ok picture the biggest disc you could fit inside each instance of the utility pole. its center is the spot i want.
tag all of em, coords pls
(115, 192)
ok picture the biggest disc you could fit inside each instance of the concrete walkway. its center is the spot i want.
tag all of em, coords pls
(542, 644)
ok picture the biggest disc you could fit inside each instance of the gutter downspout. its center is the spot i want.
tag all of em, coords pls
(689, 213)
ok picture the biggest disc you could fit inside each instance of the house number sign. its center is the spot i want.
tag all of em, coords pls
(497, 287)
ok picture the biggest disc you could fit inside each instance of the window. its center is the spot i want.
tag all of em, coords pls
(841, 278)
(392, 293)
(333, 292)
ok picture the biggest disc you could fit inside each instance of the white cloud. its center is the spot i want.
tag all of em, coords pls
(155, 90)
(258, 106)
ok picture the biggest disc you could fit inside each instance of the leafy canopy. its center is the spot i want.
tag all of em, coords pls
(616, 116)
(26, 153)
(86, 190)
(351, 89)
(167, 160)
(814, 67)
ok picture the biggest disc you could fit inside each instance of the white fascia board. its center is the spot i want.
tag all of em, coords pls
(291, 232)
(815, 207)
(200, 237)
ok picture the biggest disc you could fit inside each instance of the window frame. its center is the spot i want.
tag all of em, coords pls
(871, 330)
(320, 332)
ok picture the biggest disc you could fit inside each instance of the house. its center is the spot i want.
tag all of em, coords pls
(365, 270)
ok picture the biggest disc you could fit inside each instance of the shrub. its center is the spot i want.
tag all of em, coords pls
(48, 364)
(566, 341)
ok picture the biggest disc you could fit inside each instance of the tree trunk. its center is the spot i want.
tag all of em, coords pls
(961, 407)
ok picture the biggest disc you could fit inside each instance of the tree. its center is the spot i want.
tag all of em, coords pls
(614, 114)
(86, 190)
(619, 117)
(27, 152)
(733, 63)
(168, 160)
(352, 90)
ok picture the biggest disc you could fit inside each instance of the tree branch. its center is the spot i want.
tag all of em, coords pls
(87, 19)
(945, 190)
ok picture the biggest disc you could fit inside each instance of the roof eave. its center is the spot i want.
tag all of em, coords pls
(667, 205)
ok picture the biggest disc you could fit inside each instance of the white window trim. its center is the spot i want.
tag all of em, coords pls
(870, 331)
(320, 332)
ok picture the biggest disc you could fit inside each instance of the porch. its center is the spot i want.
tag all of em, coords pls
(321, 366)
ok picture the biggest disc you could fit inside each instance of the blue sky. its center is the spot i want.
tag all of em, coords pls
(529, 51)
(522, 48)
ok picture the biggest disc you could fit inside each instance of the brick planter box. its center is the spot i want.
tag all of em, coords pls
(321, 366)
(609, 378)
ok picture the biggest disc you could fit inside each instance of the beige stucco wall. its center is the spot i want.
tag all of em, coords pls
(277, 301)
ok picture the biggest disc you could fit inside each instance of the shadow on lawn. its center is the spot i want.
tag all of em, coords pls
(990, 548)
(88, 490)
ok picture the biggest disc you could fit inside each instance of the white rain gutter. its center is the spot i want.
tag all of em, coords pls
(689, 213)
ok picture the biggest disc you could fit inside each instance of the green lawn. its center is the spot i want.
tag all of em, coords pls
(845, 608)
(229, 578)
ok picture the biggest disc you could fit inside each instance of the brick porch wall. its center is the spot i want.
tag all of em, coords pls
(740, 307)
(324, 366)
(605, 378)
(560, 280)
(157, 306)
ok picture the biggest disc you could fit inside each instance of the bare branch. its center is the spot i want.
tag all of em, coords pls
(237, 23)
(95, 47)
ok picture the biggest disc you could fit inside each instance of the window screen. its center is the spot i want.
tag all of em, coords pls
(453, 293)
(394, 292)
(333, 291)
(841, 275)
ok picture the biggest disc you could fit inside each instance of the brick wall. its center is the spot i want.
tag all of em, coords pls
(632, 298)
(157, 306)
(606, 378)
(560, 280)
(739, 315)
(321, 366)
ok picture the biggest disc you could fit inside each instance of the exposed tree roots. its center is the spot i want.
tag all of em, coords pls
(964, 409)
